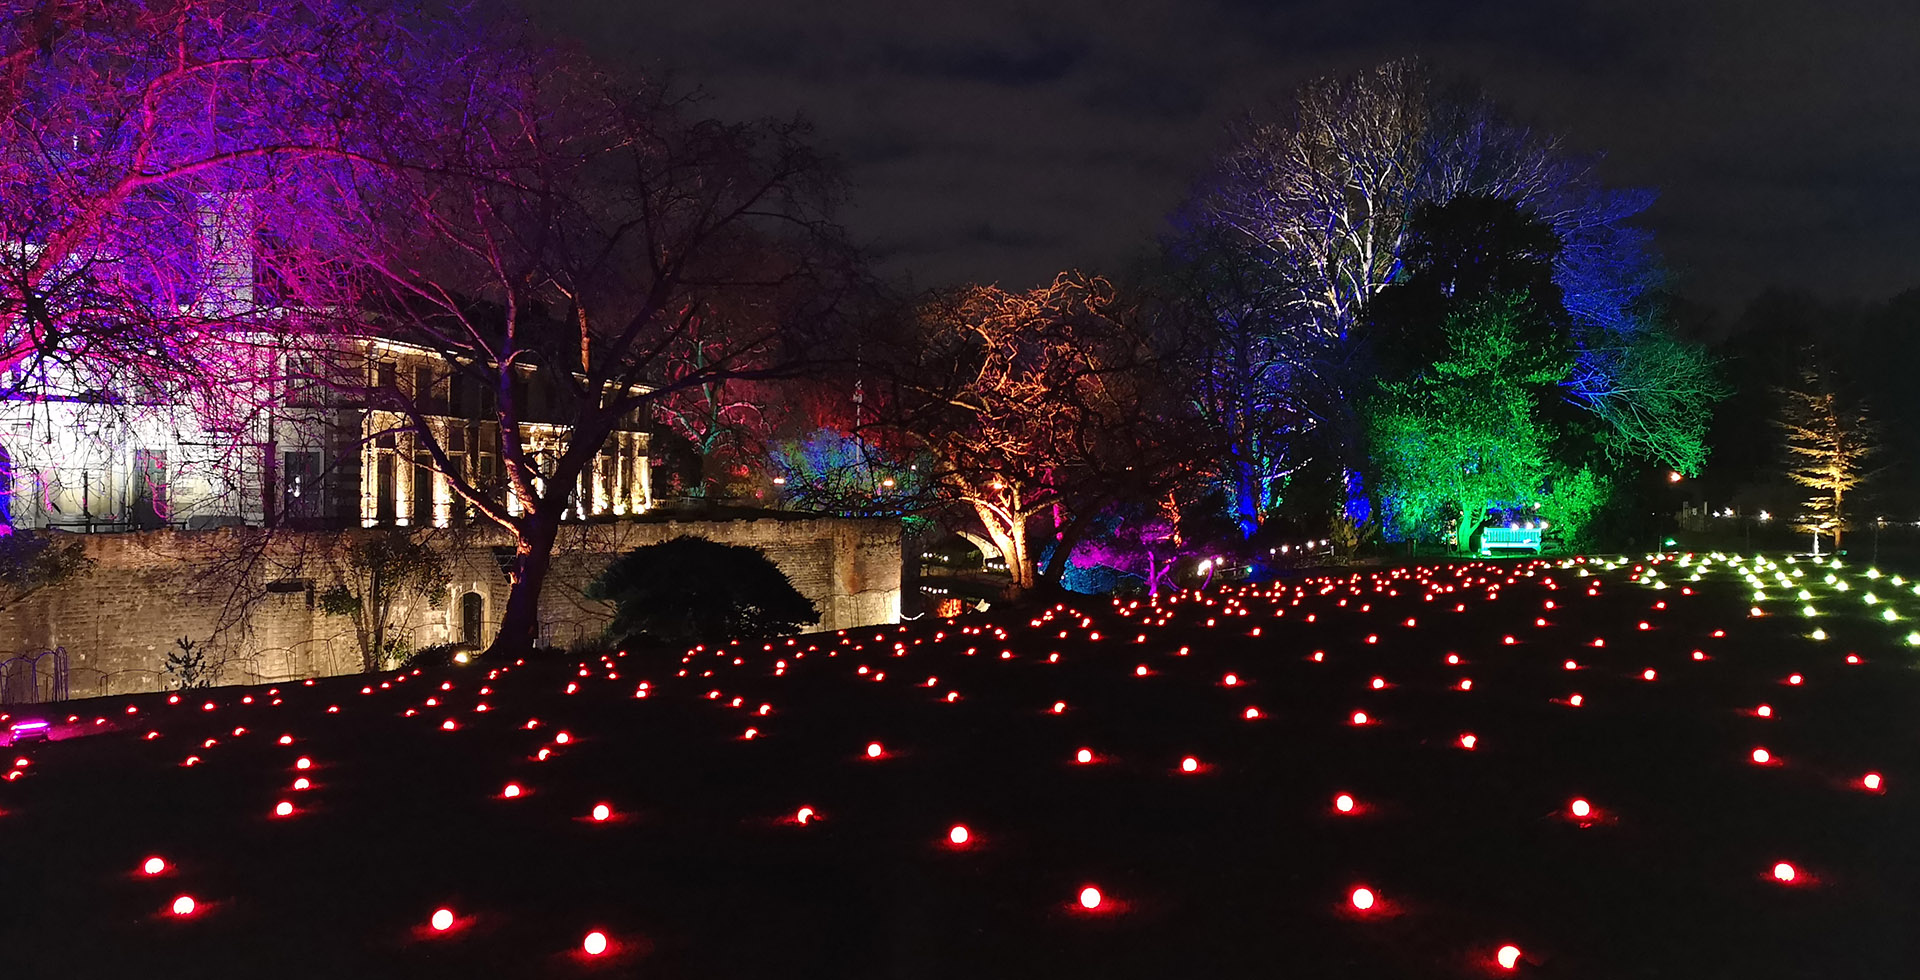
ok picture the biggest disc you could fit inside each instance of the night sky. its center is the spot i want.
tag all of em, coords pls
(1002, 142)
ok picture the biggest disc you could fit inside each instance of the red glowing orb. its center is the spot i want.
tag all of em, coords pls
(303, 763)
(184, 905)
(442, 920)
(512, 791)
(1362, 898)
(1871, 781)
(1230, 680)
(283, 809)
(1343, 803)
(1570, 665)
(1090, 898)
(1764, 711)
(1468, 741)
(1083, 756)
(1508, 957)
(601, 811)
(595, 943)
(1377, 683)
(1581, 809)
(1647, 675)
(874, 750)
(1140, 671)
(959, 835)
(1360, 718)
(155, 865)
(804, 814)
(1189, 764)
(1784, 873)
(1762, 756)
(1794, 679)
(1253, 714)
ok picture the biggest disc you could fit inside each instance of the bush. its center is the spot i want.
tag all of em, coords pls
(690, 590)
(436, 655)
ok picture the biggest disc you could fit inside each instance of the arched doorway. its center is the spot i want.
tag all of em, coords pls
(473, 607)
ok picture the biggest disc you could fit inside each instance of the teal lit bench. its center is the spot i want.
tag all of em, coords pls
(1510, 539)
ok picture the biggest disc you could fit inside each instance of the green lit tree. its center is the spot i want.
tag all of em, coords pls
(1466, 434)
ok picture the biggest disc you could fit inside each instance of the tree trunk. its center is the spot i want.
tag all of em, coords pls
(532, 557)
(1063, 550)
(1246, 495)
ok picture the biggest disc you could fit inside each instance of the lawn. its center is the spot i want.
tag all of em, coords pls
(1462, 781)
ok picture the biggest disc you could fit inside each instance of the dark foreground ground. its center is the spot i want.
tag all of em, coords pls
(1242, 868)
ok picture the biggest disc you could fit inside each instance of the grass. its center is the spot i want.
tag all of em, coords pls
(1241, 867)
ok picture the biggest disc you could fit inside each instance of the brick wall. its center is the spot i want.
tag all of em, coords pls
(146, 589)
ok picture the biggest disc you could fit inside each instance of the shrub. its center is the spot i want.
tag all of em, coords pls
(690, 590)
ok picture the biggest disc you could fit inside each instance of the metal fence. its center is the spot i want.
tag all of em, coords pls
(34, 678)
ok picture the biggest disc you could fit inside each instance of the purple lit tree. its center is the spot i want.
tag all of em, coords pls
(146, 147)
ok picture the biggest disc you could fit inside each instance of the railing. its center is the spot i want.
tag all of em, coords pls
(1510, 539)
(34, 678)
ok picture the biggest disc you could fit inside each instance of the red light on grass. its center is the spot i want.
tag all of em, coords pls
(1508, 957)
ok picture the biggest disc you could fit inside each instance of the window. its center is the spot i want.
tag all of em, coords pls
(422, 498)
(472, 619)
(301, 500)
(148, 506)
(383, 488)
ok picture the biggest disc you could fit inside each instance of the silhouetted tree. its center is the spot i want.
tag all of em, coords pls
(689, 590)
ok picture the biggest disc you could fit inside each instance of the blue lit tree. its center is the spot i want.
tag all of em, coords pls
(1318, 196)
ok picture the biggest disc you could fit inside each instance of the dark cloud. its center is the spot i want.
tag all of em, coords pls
(1004, 141)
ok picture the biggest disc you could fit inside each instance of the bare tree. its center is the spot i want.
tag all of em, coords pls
(558, 240)
(379, 578)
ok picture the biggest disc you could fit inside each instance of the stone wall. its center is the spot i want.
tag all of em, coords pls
(146, 589)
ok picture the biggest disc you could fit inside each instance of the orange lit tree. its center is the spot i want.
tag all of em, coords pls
(1036, 407)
